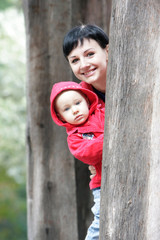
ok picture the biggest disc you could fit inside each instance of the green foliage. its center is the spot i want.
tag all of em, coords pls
(12, 94)
(12, 124)
(4, 4)
(12, 208)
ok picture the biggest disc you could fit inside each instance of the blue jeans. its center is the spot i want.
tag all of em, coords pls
(93, 230)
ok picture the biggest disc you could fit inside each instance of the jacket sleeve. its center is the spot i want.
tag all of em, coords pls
(87, 151)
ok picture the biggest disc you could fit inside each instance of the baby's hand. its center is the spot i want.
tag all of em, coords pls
(92, 171)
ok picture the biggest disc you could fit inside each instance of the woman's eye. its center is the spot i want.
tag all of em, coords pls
(75, 60)
(90, 54)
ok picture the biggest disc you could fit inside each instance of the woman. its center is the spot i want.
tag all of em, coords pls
(86, 49)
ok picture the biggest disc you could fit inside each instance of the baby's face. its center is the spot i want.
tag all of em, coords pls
(72, 107)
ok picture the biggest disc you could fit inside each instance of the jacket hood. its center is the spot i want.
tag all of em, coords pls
(63, 86)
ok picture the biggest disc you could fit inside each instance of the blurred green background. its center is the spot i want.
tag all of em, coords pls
(12, 122)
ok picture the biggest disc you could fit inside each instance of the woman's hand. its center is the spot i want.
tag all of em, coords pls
(92, 171)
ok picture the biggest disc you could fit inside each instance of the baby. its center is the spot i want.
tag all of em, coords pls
(82, 114)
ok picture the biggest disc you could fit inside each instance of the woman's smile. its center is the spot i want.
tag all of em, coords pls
(89, 73)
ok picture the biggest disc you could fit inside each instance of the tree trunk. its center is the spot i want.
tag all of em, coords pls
(106, 13)
(52, 210)
(92, 12)
(130, 206)
(57, 207)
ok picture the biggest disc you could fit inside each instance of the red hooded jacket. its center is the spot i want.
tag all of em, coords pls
(85, 141)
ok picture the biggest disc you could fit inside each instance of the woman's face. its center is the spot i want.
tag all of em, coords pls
(89, 63)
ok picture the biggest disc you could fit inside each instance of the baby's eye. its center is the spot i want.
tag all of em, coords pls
(78, 102)
(66, 109)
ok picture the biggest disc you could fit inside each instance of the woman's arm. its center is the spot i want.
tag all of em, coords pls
(92, 171)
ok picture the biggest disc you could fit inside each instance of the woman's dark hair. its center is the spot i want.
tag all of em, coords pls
(79, 33)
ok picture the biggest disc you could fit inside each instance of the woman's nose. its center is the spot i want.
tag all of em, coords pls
(83, 63)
